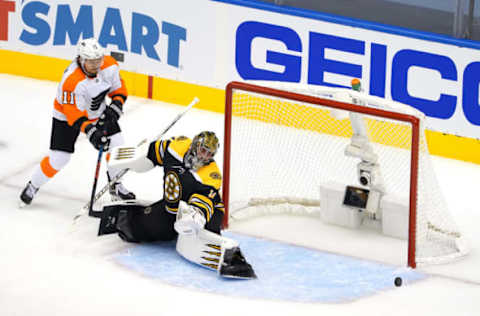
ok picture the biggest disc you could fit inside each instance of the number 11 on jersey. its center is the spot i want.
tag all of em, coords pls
(68, 97)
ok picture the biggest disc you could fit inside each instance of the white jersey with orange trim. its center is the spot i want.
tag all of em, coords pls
(81, 98)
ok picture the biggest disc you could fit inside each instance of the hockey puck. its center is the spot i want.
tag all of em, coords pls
(398, 281)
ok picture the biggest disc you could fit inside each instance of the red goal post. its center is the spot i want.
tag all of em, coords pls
(294, 97)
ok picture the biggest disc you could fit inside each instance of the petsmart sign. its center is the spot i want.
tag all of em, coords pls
(439, 79)
(153, 37)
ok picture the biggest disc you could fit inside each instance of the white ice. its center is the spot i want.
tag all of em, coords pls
(46, 268)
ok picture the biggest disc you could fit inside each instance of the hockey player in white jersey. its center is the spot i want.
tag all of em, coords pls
(191, 209)
(81, 106)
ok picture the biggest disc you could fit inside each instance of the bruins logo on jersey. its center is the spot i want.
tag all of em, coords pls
(173, 187)
(215, 175)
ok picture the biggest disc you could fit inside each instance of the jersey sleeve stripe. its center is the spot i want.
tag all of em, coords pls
(220, 207)
(157, 152)
(171, 210)
(203, 203)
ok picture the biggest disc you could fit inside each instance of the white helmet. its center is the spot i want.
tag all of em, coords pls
(89, 49)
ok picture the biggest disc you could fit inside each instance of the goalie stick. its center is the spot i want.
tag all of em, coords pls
(100, 193)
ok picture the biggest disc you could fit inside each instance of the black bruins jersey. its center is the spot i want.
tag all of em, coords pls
(199, 188)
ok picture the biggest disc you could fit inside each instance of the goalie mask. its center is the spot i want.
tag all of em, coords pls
(202, 150)
(90, 56)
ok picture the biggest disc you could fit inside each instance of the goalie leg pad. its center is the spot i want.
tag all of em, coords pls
(115, 218)
(108, 220)
(215, 252)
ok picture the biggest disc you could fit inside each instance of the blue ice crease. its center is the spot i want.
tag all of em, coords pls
(285, 272)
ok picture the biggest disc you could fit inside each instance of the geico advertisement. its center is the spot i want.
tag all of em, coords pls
(438, 79)
(156, 38)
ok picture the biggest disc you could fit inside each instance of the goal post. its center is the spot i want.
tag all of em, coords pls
(285, 142)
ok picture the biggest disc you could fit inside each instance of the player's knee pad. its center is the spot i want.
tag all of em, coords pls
(59, 159)
(204, 248)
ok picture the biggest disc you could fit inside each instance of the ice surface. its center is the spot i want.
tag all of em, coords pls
(46, 268)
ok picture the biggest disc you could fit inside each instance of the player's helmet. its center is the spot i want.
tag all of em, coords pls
(202, 150)
(89, 49)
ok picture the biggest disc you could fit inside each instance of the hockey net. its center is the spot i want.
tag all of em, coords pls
(283, 140)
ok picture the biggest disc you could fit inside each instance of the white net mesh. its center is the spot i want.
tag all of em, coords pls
(289, 148)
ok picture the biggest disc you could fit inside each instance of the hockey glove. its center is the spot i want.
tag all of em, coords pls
(189, 220)
(97, 137)
(113, 111)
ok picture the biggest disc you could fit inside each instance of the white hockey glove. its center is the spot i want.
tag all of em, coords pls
(189, 220)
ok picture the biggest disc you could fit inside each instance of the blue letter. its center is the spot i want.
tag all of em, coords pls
(247, 31)
(175, 34)
(317, 64)
(30, 18)
(65, 24)
(404, 59)
(471, 79)
(147, 40)
(113, 21)
(378, 65)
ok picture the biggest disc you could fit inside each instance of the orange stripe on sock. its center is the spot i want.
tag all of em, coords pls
(47, 168)
(108, 157)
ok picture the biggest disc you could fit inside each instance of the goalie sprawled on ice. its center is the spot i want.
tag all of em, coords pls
(192, 176)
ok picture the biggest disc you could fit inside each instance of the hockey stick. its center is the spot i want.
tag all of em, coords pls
(100, 193)
(95, 180)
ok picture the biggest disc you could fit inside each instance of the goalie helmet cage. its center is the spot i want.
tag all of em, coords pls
(293, 136)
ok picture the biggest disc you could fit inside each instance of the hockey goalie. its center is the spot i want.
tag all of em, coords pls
(191, 209)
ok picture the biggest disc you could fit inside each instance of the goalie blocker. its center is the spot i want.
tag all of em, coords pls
(132, 221)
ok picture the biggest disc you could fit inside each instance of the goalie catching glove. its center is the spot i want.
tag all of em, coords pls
(189, 220)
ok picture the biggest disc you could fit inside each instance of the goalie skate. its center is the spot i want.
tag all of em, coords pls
(235, 266)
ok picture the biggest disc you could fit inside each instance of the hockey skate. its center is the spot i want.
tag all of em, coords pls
(27, 194)
(118, 192)
(235, 266)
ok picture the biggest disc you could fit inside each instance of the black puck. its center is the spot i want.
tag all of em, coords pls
(398, 281)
